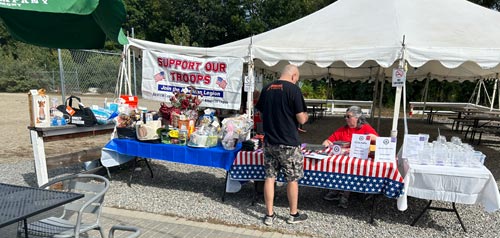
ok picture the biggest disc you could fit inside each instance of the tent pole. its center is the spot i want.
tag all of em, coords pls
(129, 72)
(487, 98)
(495, 85)
(499, 93)
(121, 77)
(61, 75)
(380, 100)
(397, 104)
(399, 89)
(471, 99)
(404, 110)
(251, 82)
(251, 86)
(375, 95)
(133, 66)
(478, 96)
(426, 92)
(122, 71)
(117, 85)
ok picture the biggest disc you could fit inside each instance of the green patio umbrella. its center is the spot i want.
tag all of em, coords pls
(67, 24)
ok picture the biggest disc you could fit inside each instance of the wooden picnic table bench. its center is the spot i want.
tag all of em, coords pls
(316, 108)
(483, 124)
(432, 114)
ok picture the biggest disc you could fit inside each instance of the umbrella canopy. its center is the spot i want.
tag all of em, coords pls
(68, 24)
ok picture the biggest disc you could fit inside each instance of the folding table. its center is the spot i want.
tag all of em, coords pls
(465, 185)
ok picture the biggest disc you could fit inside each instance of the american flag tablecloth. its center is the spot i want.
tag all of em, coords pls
(336, 172)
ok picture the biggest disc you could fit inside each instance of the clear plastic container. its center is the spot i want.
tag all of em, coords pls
(183, 135)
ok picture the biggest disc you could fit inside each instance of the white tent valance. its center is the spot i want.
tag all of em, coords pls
(451, 32)
(453, 40)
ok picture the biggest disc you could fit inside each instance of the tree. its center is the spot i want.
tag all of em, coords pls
(203, 23)
(492, 4)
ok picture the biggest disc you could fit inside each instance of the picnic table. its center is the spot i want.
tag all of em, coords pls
(322, 107)
(316, 108)
(486, 122)
(40, 135)
(433, 109)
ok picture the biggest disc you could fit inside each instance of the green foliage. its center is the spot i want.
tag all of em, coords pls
(18, 84)
(492, 4)
(353, 90)
(201, 23)
(180, 36)
(211, 23)
(315, 89)
(307, 90)
(20, 64)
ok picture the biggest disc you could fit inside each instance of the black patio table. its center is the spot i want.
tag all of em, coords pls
(19, 202)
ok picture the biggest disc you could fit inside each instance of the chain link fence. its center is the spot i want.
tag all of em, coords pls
(90, 72)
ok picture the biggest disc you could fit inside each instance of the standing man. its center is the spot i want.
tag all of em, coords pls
(283, 109)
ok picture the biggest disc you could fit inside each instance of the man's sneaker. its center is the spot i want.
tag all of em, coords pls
(299, 217)
(332, 195)
(269, 220)
(343, 202)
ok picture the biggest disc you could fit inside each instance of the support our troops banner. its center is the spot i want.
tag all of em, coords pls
(218, 80)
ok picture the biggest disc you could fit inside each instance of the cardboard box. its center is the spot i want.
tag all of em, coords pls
(39, 108)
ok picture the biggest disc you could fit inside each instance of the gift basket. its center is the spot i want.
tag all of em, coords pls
(207, 130)
(235, 129)
(182, 105)
(125, 125)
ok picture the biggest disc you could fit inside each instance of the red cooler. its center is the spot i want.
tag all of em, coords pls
(131, 101)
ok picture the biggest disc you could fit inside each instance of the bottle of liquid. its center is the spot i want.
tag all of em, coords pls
(191, 128)
(183, 135)
(53, 108)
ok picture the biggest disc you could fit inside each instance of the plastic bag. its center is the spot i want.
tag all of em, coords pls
(235, 129)
(103, 116)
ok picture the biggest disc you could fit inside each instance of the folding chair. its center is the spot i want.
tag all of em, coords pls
(87, 209)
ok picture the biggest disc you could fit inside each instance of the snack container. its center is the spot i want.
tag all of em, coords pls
(39, 108)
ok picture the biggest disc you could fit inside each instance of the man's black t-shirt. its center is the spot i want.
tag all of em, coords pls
(279, 103)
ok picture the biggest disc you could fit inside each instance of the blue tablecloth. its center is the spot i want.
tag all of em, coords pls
(216, 157)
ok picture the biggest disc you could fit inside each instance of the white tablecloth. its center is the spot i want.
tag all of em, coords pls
(450, 184)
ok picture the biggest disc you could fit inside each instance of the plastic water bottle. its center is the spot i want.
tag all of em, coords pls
(54, 121)
(183, 135)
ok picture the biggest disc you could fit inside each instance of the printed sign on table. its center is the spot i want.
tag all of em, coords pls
(386, 149)
(360, 146)
(413, 144)
(218, 80)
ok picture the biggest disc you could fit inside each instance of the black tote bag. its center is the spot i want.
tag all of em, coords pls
(80, 116)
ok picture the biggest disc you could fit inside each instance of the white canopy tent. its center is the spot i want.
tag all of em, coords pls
(442, 39)
(449, 32)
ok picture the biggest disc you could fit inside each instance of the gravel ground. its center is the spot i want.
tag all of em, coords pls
(195, 192)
